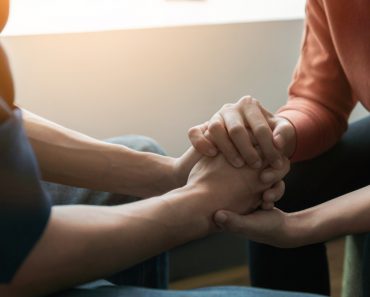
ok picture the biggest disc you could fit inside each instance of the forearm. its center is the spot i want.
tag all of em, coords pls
(347, 214)
(72, 158)
(83, 243)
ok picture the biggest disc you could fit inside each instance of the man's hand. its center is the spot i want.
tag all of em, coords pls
(236, 189)
(182, 166)
(246, 133)
(272, 227)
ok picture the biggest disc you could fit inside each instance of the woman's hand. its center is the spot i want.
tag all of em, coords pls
(246, 133)
(273, 227)
(237, 128)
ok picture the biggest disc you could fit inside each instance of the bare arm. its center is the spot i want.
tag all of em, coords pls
(348, 214)
(344, 215)
(83, 243)
(68, 157)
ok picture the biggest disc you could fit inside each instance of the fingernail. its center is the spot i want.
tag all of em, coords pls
(257, 164)
(212, 152)
(238, 162)
(268, 177)
(221, 218)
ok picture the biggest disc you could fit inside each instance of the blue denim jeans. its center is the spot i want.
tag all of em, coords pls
(229, 291)
(343, 169)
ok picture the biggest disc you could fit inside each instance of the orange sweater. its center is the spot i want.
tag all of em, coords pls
(332, 74)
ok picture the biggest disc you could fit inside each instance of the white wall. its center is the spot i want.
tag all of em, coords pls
(66, 16)
(156, 82)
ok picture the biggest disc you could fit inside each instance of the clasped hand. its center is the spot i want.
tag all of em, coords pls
(247, 151)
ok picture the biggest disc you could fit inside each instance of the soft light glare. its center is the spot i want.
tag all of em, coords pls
(64, 16)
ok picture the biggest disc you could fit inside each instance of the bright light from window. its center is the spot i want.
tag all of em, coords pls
(62, 16)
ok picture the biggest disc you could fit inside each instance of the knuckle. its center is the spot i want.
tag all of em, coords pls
(254, 101)
(215, 126)
(246, 100)
(227, 106)
(261, 131)
(200, 146)
(193, 131)
(236, 131)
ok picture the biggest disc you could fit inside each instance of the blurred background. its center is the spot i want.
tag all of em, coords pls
(156, 67)
(152, 67)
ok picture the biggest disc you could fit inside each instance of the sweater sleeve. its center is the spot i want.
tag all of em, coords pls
(320, 98)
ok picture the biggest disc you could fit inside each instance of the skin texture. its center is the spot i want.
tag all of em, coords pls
(347, 214)
(68, 157)
(89, 242)
(235, 184)
(246, 133)
(237, 128)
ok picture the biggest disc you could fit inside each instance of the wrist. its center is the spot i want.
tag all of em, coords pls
(191, 211)
(165, 170)
(302, 228)
(311, 226)
(140, 174)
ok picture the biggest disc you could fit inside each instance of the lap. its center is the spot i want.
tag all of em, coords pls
(204, 292)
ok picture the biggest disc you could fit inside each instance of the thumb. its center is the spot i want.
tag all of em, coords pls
(280, 135)
(283, 135)
(232, 222)
(190, 158)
